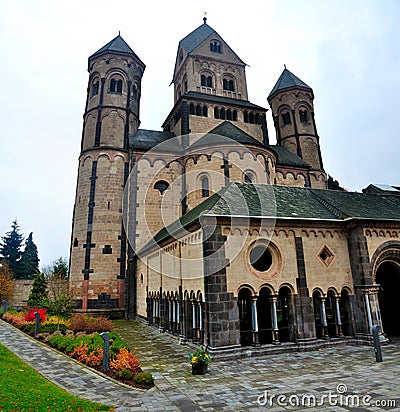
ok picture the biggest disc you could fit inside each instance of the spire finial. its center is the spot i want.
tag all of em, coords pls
(119, 32)
(284, 66)
(205, 18)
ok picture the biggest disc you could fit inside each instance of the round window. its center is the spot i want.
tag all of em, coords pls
(261, 258)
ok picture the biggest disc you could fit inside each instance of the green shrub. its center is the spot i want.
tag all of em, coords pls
(64, 343)
(43, 328)
(143, 377)
(124, 374)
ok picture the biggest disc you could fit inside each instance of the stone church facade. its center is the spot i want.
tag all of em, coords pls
(210, 232)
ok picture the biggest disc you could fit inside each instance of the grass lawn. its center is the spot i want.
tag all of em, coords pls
(23, 389)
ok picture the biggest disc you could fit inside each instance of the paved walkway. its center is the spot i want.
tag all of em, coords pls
(349, 374)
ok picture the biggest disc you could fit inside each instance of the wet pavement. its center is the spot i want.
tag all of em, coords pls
(345, 378)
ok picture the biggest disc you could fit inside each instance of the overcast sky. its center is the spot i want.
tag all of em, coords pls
(346, 50)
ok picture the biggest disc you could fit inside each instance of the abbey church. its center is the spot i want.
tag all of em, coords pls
(207, 230)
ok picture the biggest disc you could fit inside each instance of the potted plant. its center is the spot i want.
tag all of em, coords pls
(199, 361)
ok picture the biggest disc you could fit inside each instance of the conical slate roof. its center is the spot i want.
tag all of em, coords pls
(288, 80)
(117, 45)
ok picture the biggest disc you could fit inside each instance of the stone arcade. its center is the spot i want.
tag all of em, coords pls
(207, 230)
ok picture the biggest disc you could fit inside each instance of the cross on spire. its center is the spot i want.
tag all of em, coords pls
(205, 18)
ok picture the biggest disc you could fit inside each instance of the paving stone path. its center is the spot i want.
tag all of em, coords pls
(302, 378)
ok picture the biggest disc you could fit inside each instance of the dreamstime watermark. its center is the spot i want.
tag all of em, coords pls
(340, 397)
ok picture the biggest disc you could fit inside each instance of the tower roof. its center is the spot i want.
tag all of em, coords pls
(117, 45)
(196, 37)
(288, 80)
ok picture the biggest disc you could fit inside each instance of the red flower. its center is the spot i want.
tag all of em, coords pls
(31, 314)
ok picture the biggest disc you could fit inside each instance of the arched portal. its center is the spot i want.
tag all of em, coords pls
(284, 314)
(388, 277)
(346, 313)
(264, 316)
(245, 316)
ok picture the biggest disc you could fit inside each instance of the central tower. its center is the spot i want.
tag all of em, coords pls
(210, 87)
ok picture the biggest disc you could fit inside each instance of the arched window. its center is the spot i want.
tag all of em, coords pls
(161, 186)
(134, 92)
(249, 177)
(257, 119)
(115, 85)
(222, 114)
(205, 111)
(303, 116)
(206, 81)
(234, 115)
(191, 108)
(286, 118)
(228, 84)
(198, 110)
(95, 88)
(246, 116)
(229, 114)
(251, 118)
(215, 46)
(205, 186)
(185, 86)
(216, 113)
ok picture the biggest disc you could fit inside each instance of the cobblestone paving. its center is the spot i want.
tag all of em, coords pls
(229, 385)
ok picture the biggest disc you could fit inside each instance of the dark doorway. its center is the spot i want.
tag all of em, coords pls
(317, 314)
(346, 313)
(264, 316)
(388, 277)
(283, 313)
(331, 314)
(246, 329)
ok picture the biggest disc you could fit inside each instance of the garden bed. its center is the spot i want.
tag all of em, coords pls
(79, 338)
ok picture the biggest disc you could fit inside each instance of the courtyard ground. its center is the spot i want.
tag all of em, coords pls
(345, 378)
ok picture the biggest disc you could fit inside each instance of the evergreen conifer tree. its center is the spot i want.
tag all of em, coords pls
(28, 266)
(10, 248)
(39, 296)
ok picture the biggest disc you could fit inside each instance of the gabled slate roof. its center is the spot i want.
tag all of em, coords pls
(286, 158)
(285, 202)
(288, 80)
(117, 45)
(196, 37)
(382, 188)
(225, 129)
(147, 139)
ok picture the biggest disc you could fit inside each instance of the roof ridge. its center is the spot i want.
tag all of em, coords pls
(340, 214)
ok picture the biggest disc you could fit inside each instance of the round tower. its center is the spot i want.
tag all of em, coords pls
(291, 101)
(98, 242)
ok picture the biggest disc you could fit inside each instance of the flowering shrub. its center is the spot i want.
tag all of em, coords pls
(57, 321)
(199, 356)
(82, 323)
(87, 356)
(125, 360)
(31, 315)
(15, 318)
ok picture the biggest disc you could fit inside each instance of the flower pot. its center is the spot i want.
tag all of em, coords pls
(199, 368)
